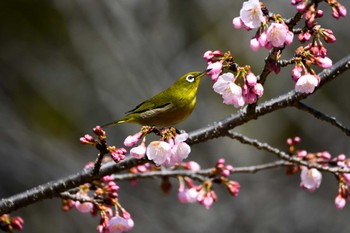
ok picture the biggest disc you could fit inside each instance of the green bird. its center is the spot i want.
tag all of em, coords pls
(168, 107)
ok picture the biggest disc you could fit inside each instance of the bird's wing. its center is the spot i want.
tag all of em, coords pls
(146, 106)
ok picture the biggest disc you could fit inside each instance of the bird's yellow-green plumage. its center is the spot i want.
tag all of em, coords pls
(168, 107)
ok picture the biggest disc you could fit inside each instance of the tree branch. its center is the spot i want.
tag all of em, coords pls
(54, 188)
(221, 128)
(323, 117)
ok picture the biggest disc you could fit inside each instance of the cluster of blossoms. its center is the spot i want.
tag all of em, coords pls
(235, 90)
(338, 10)
(101, 197)
(311, 177)
(9, 224)
(204, 194)
(168, 151)
(274, 32)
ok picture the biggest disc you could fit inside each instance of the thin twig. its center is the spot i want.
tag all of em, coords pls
(322, 116)
(284, 156)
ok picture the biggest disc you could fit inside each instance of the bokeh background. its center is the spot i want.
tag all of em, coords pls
(66, 66)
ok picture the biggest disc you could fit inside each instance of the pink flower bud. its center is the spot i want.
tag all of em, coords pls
(131, 140)
(214, 70)
(99, 131)
(258, 89)
(84, 207)
(339, 202)
(324, 62)
(192, 166)
(254, 44)
(251, 79)
(342, 10)
(208, 55)
(237, 23)
(296, 72)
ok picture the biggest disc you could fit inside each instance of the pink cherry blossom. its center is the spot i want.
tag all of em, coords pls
(158, 151)
(179, 151)
(139, 151)
(209, 55)
(237, 22)
(258, 89)
(307, 83)
(84, 207)
(310, 178)
(251, 79)
(262, 39)
(231, 92)
(324, 62)
(214, 70)
(118, 225)
(296, 72)
(254, 44)
(169, 153)
(339, 202)
(188, 195)
(192, 165)
(278, 34)
(251, 14)
(131, 140)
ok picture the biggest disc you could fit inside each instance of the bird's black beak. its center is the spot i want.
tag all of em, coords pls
(206, 71)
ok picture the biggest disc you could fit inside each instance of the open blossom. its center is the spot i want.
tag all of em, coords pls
(179, 151)
(158, 151)
(168, 154)
(138, 152)
(307, 83)
(118, 225)
(251, 14)
(206, 198)
(187, 195)
(84, 207)
(310, 178)
(278, 35)
(231, 92)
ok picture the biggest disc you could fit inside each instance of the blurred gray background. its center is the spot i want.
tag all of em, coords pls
(66, 66)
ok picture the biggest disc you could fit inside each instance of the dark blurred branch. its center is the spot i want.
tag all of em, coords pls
(322, 116)
(219, 129)
(54, 188)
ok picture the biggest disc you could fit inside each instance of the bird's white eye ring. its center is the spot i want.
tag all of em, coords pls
(190, 78)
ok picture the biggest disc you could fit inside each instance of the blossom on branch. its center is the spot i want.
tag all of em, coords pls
(231, 93)
(307, 83)
(310, 178)
(251, 14)
(169, 153)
